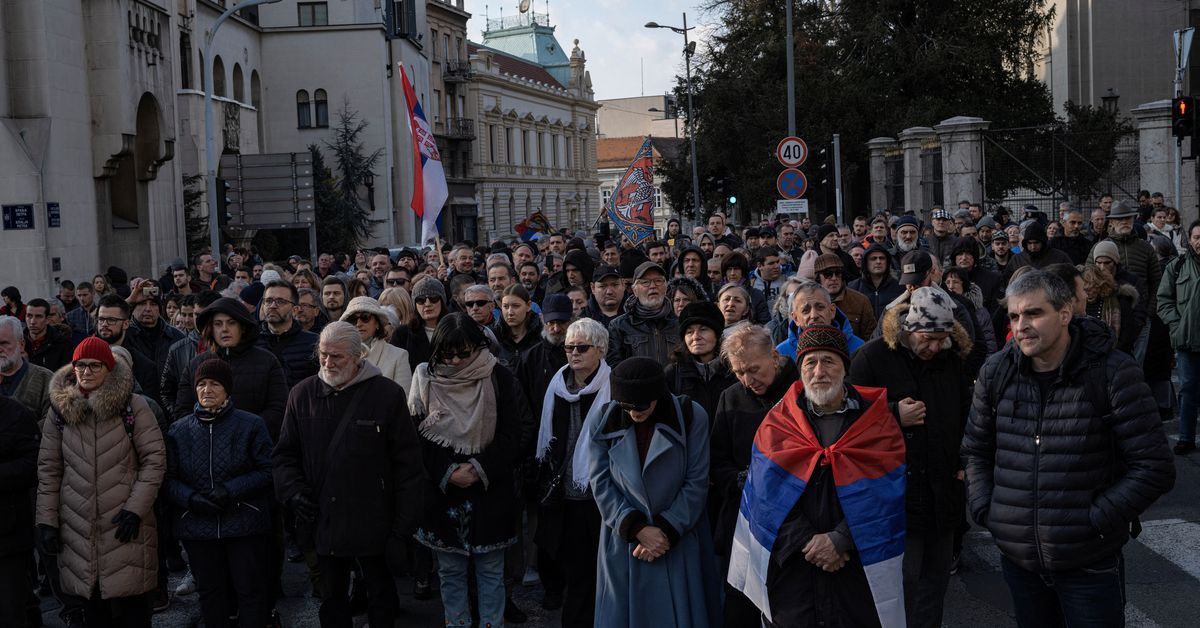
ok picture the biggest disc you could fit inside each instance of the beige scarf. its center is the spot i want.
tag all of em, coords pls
(458, 403)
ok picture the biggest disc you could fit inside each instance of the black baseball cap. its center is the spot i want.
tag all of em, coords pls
(914, 267)
(604, 271)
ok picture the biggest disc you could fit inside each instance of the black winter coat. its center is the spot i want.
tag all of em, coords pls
(415, 342)
(738, 415)
(552, 473)
(630, 335)
(481, 517)
(1056, 484)
(887, 290)
(19, 438)
(362, 469)
(537, 367)
(511, 352)
(153, 345)
(259, 384)
(934, 496)
(178, 359)
(295, 349)
(684, 378)
(233, 450)
(1076, 248)
(55, 351)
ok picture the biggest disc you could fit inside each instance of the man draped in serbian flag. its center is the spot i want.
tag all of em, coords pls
(820, 536)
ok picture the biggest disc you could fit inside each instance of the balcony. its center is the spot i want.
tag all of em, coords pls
(460, 129)
(456, 71)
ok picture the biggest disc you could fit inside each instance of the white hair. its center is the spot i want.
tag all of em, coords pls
(589, 330)
(14, 326)
(481, 290)
(346, 335)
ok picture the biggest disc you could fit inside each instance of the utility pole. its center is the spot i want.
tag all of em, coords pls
(689, 48)
(1183, 44)
(837, 177)
(791, 75)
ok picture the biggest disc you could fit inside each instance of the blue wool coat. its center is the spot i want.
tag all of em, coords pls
(682, 588)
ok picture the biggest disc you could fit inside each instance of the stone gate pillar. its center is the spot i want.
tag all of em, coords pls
(877, 148)
(962, 158)
(1156, 153)
(911, 140)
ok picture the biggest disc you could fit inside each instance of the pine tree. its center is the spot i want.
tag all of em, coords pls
(342, 221)
(195, 225)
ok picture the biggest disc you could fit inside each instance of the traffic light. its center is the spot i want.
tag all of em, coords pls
(1183, 117)
(732, 200)
(223, 201)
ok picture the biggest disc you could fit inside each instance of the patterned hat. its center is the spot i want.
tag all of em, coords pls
(930, 309)
(822, 338)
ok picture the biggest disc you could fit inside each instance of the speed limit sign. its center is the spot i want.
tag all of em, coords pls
(791, 152)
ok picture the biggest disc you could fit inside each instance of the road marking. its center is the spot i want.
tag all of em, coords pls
(1175, 540)
(1135, 618)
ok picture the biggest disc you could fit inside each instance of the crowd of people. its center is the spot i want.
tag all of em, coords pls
(788, 424)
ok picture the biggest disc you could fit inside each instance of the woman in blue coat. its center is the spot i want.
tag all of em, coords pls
(218, 483)
(648, 455)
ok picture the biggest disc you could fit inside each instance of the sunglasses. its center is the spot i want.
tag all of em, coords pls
(578, 348)
(461, 355)
(830, 273)
(424, 300)
(361, 317)
(397, 282)
(480, 303)
(635, 407)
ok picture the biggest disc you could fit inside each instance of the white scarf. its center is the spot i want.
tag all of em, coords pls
(558, 388)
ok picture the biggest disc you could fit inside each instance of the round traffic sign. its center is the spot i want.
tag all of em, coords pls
(791, 183)
(791, 152)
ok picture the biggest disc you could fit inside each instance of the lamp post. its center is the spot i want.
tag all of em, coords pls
(210, 156)
(689, 48)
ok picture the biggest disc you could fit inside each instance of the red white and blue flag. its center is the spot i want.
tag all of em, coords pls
(869, 475)
(429, 179)
(631, 206)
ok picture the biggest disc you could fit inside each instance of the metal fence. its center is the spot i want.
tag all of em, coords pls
(1045, 166)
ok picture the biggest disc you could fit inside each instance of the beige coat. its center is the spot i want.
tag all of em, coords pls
(90, 471)
(392, 361)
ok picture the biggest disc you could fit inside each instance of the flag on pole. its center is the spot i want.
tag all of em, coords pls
(631, 206)
(533, 224)
(429, 179)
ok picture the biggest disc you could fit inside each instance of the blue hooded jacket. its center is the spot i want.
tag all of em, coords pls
(788, 347)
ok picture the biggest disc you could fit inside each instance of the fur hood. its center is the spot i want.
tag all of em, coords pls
(892, 330)
(105, 403)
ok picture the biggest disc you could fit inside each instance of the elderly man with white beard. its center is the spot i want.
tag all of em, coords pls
(348, 465)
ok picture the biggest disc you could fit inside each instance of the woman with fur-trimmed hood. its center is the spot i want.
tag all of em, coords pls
(919, 358)
(100, 466)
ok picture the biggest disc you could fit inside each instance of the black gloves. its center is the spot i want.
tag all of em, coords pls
(127, 525)
(220, 496)
(203, 504)
(48, 539)
(303, 507)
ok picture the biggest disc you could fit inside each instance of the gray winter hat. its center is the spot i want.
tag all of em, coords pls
(429, 287)
(930, 309)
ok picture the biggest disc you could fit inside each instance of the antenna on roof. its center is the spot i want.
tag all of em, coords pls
(547, 12)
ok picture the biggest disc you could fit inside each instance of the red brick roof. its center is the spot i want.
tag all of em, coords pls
(617, 152)
(515, 66)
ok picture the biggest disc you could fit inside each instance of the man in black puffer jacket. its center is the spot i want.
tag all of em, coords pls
(260, 386)
(1064, 451)
(281, 334)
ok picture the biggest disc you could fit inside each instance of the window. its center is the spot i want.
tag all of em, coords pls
(554, 150)
(606, 194)
(185, 60)
(493, 137)
(313, 13)
(567, 151)
(239, 83)
(657, 197)
(437, 105)
(541, 146)
(303, 115)
(508, 145)
(432, 45)
(446, 53)
(218, 76)
(526, 154)
(321, 102)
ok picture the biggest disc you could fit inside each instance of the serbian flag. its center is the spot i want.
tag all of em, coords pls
(429, 179)
(533, 224)
(868, 472)
(631, 206)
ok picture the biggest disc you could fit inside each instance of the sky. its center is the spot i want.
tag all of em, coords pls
(623, 57)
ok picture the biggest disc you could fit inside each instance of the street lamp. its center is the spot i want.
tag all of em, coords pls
(689, 48)
(210, 156)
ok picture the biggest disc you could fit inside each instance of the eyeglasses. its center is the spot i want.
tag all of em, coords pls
(578, 348)
(656, 283)
(830, 273)
(271, 302)
(424, 300)
(361, 317)
(307, 306)
(480, 303)
(635, 407)
(88, 367)
(110, 320)
(397, 282)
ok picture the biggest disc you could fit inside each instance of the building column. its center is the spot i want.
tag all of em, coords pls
(1156, 153)
(911, 140)
(878, 148)
(962, 158)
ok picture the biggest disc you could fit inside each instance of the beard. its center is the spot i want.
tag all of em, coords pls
(110, 337)
(337, 378)
(824, 396)
(906, 246)
(556, 340)
(9, 363)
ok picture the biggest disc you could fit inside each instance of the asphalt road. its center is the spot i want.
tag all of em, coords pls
(1162, 590)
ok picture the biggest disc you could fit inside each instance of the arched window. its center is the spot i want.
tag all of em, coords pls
(303, 113)
(321, 102)
(239, 83)
(218, 77)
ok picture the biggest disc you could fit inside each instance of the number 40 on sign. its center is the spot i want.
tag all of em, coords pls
(791, 152)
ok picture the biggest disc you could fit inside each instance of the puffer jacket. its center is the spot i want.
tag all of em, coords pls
(55, 350)
(787, 348)
(1057, 485)
(259, 383)
(511, 352)
(1179, 301)
(885, 292)
(295, 349)
(232, 449)
(630, 335)
(91, 470)
(151, 346)
(18, 474)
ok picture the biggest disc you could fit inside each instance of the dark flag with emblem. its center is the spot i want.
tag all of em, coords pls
(631, 206)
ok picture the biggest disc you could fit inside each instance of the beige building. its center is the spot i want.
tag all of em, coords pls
(534, 113)
(1115, 48)
(639, 116)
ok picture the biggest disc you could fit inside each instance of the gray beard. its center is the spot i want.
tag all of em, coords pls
(823, 398)
(906, 247)
(8, 365)
(556, 340)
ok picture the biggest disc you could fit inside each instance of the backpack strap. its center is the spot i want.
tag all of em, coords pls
(685, 404)
(999, 382)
